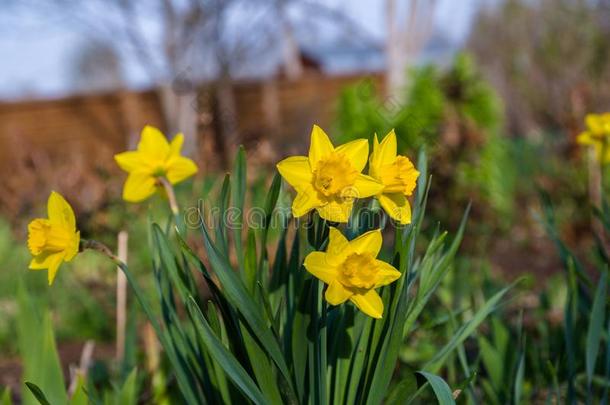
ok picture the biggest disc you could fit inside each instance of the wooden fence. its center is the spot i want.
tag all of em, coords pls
(278, 110)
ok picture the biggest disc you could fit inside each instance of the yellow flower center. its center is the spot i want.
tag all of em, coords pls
(398, 177)
(359, 271)
(46, 237)
(334, 176)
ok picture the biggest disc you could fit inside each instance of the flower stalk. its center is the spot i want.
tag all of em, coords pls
(171, 195)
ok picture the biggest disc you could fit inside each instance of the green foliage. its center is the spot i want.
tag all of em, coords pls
(494, 175)
(265, 334)
(5, 399)
(457, 116)
(432, 99)
(38, 352)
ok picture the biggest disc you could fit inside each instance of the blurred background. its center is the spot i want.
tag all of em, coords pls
(496, 91)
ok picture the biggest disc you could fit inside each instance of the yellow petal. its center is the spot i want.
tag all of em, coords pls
(60, 212)
(176, 145)
(180, 168)
(594, 122)
(384, 153)
(72, 250)
(131, 161)
(320, 146)
(366, 186)
(374, 160)
(153, 144)
(44, 260)
(357, 152)
(585, 138)
(338, 247)
(138, 187)
(388, 148)
(306, 200)
(369, 242)
(336, 294)
(318, 266)
(50, 261)
(53, 269)
(386, 274)
(370, 303)
(397, 207)
(296, 171)
(336, 211)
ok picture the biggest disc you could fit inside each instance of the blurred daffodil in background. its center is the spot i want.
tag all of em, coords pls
(597, 135)
(398, 176)
(53, 240)
(329, 179)
(352, 272)
(154, 159)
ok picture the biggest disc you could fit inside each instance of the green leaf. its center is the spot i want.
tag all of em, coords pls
(262, 368)
(39, 352)
(236, 293)
(168, 261)
(607, 365)
(128, 392)
(238, 191)
(221, 229)
(80, 395)
(37, 392)
(250, 262)
(299, 341)
(224, 357)
(439, 386)
(596, 324)
(466, 330)
(182, 376)
(6, 399)
(492, 359)
(402, 390)
(519, 377)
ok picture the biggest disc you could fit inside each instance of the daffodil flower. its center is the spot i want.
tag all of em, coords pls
(155, 158)
(352, 272)
(329, 179)
(54, 240)
(597, 135)
(398, 176)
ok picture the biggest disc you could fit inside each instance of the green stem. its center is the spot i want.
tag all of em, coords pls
(141, 297)
(173, 203)
(171, 195)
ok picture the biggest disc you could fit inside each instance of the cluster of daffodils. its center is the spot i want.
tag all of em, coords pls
(597, 135)
(328, 181)
(154, 166)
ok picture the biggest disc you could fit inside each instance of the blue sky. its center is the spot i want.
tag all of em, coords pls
(37, 52)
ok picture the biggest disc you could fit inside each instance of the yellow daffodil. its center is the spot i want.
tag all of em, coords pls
(597, 135)
(398, 176)
(352, 272)
(154, 158)
(54, 240)
(329, 179)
